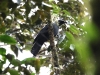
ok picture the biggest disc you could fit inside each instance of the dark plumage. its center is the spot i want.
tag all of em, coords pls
(43, 36)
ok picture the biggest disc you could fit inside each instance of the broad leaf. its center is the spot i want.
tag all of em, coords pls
(26, 71)
(7, 39)
(28, 61)
(15, 62)
(10, 57)
(32, 73)
(2, 51)
(70, 36)
(74, 29)
(13, 72)
(37, 65)
(14, 49)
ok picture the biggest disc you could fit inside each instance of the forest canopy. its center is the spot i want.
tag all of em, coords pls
(77, 45)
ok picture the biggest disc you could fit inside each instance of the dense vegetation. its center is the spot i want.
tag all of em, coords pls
(78, 52)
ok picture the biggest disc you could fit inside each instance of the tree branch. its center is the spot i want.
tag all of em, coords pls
(53, 48)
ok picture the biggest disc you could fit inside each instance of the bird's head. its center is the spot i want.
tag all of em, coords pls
(60, 22)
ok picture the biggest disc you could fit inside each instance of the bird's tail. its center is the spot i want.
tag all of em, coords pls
(35, 49)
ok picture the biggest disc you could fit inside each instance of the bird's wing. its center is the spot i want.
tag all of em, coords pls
(44, 30)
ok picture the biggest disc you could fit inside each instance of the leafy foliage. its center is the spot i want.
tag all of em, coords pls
(20, 21)
(7, 39)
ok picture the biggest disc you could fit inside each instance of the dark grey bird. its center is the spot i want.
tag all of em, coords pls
(43, 36)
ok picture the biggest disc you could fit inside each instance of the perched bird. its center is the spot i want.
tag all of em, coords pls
(43, 36)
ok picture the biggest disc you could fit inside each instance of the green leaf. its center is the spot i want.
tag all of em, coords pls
(13, 72)
(21, 38)
(15, 62)
(28, 61)
(2, 51)
(37, 65)
(66, 12)
(56, 9)
(34, 17)
(74, 29)
(32, 73)
(14, 49)
(7, 39)
(1, 64)
(27, 7)
(10, 57)
(26, 71)
(66, 45)
(18, 15)
(70, 36)
(2, 27)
